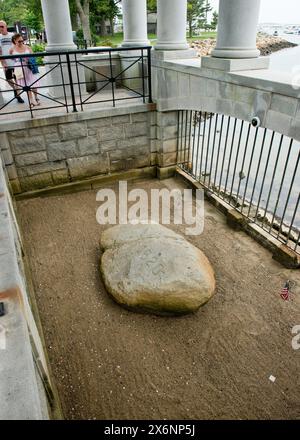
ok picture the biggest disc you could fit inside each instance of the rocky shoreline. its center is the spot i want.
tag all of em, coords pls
(267, 44)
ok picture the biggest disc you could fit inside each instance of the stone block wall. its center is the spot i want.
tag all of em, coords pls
(263, 94)
(23, 366)
(53, 151)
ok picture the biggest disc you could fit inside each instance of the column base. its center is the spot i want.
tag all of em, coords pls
(232, 65)
(236, 53)
(60, 47)
(174, 54)
(171, 46)
(135, 43)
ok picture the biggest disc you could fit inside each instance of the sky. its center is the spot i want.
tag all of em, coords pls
(275, 11)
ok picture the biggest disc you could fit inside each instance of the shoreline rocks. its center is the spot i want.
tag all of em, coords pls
(267, 44)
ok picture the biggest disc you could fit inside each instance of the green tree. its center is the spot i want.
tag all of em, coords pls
(214, 21)
(197, 14)
(92, 11)
(151, 5)
(12, 11)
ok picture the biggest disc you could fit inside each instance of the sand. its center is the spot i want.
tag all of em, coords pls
(110, 363)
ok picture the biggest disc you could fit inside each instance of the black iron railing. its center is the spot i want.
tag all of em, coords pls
(74, 79)
(254, 169)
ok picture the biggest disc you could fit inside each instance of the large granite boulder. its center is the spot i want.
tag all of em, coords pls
(151, 268)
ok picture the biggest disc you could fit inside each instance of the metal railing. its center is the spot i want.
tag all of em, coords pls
(254, 169)
(74, 79)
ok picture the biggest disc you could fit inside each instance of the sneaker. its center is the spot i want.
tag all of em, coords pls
(20, 100)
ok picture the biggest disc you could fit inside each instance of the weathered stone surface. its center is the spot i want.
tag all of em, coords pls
(73, 131)
(62, 150)
(36, 182)
(88, 166)
(136, 129)
(88, 146)
(27, 145)
(133, 142)
(30, 158)
(108, 133)
(151, 268)
(95, 124)
(139, 117)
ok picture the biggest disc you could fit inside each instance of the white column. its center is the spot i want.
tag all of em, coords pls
(237, 29)
(135, 23)
(171, 25)
(58, 26)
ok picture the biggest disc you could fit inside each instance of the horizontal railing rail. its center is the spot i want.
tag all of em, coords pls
(74, 79)
(253, 169)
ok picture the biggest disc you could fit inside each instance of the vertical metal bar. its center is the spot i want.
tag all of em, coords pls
(281, 184)
(297, 242)
(293, 219)
(112, 80)
(207, 146)
(289, 194)
(63, 83)
(202, 147)
(219, 148)
(185, 138)
(272, 180)
(250, 166)
(178, 137)
(265, 173)
(181, 137)
(213, 149)
(143, 75)
(257, 170)
(224, 155)
(194, 138)
(243, 163)
(71, 83)
(198, 142)
(230, 155)
(149, 75)
(78, 81)
(190, 133)
(237, 158)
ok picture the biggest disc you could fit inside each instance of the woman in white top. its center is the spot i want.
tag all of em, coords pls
(24, 76)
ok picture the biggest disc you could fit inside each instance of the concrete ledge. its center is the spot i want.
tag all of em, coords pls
(235, 65)
(166, 172)
(174, 54)
(88, 184)
(42, 121)
(22, 361)
(287, 257)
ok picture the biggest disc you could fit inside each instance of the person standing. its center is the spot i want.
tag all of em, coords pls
(23, 73)
(8, 65)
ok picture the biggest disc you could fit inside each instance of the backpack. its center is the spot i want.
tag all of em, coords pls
(32, 64)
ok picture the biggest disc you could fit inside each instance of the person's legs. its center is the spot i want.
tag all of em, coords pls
(36, 96)
(9, 75)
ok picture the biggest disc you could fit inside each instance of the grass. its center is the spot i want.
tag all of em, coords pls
(117, 39)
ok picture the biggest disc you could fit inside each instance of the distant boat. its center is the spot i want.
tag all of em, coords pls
(275, 34)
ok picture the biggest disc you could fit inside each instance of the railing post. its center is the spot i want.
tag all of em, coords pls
(71, 83)
(149, 74)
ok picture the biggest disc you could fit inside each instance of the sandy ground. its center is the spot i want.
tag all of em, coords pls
(112, 363)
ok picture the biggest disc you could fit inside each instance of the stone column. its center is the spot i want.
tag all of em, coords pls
(171, 25)
(135, 23)
(237, 29)
(58, 26)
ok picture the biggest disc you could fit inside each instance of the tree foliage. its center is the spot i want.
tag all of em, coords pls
(197, 11)
(214, 21)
